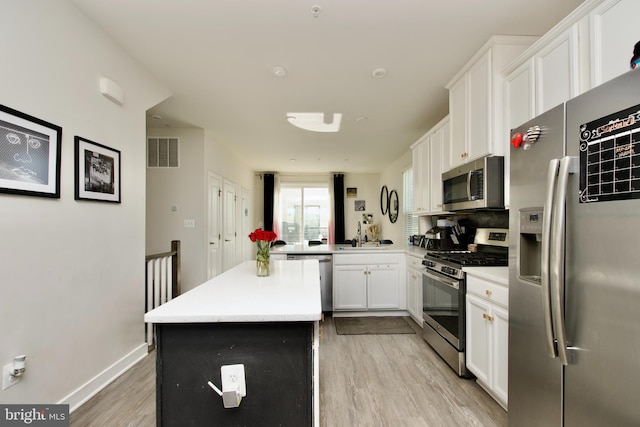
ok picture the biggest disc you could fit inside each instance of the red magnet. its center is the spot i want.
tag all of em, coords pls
(516, 140)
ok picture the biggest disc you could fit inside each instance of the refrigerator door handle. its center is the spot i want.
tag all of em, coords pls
(568, 165)
(552, 175)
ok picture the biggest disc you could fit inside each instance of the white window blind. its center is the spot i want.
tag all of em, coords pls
(410, 221)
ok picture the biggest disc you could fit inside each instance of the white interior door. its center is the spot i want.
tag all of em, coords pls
(214, 255)
(229, 228)
(246, 225)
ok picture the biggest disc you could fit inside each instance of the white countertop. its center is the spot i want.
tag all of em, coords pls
(290, 293)
(496, 274)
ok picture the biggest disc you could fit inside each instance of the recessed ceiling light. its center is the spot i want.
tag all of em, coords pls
(361, 119)
(156, 117)
(379, 73)
(315, 11)
(279, 71)
(292, 160)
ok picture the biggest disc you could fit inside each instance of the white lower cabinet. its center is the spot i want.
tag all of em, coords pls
(367, 282)
(349, 287)
(488, 335)
(414, 288)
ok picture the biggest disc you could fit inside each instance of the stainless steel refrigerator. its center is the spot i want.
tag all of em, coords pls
(574, 262)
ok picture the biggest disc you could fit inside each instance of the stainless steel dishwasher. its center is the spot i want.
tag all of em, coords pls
(326, 277)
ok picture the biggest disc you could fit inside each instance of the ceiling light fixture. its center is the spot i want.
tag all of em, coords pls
(379, 73)
(316, 122)
(279, 71)
(315, 11)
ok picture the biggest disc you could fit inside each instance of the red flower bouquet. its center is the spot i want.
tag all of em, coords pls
(263, 235)
(263, 239)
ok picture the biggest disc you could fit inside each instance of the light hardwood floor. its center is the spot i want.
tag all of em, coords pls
(365, 380)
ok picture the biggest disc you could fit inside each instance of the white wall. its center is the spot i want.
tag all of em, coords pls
(391, 176)
(186, 188)
(368, 186)
(221, 161)
(72, 272)
(183, 188)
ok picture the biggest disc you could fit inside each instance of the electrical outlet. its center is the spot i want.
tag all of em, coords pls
(7, 379)
(232, 377)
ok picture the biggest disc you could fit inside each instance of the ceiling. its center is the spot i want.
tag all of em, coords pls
(217, 58)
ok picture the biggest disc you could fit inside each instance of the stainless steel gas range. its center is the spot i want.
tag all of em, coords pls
(444, 292)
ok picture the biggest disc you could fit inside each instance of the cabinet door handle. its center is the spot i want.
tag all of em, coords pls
(486, 316)
(488, 292)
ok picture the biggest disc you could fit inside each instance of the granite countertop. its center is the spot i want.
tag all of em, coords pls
(290, 293)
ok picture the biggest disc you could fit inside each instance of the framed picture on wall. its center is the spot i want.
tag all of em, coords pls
(359, 205)
(29, 155)
(97, 172)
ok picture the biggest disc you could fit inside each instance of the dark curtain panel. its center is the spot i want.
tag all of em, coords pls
(268, 200)
(338, 194)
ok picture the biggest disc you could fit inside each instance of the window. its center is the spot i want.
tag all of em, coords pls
(304, 212)
(410, 221)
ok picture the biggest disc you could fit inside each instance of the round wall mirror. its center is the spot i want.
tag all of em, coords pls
(393, 206)
(384, 200)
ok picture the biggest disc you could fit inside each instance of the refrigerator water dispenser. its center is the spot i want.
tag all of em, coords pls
(530, 244)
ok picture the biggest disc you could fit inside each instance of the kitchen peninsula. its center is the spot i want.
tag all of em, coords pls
(268, 324)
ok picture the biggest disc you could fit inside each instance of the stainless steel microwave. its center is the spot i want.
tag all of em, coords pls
(475, 185)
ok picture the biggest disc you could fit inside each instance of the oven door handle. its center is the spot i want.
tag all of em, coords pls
(442, 279)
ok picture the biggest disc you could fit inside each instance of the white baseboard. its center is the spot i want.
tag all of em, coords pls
(104, 378)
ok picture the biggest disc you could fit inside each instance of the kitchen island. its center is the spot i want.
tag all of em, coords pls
(268, 324)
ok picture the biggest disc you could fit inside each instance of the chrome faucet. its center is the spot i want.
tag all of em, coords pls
(359, 234)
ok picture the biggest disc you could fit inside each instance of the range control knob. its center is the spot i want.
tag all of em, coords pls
(516, 140)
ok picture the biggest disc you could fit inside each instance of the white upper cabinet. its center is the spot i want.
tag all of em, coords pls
(613, 28)
(479, 114)
(519, 95)
(556, 75)
(476, 100)
(547, 76)
(420, 163)
(458, 122)
(589, 47)
(430, 159)
(438, 163)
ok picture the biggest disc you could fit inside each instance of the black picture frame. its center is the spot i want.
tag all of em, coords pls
(30, 153)
(97, 172)
(394, 206)
(384, 200)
